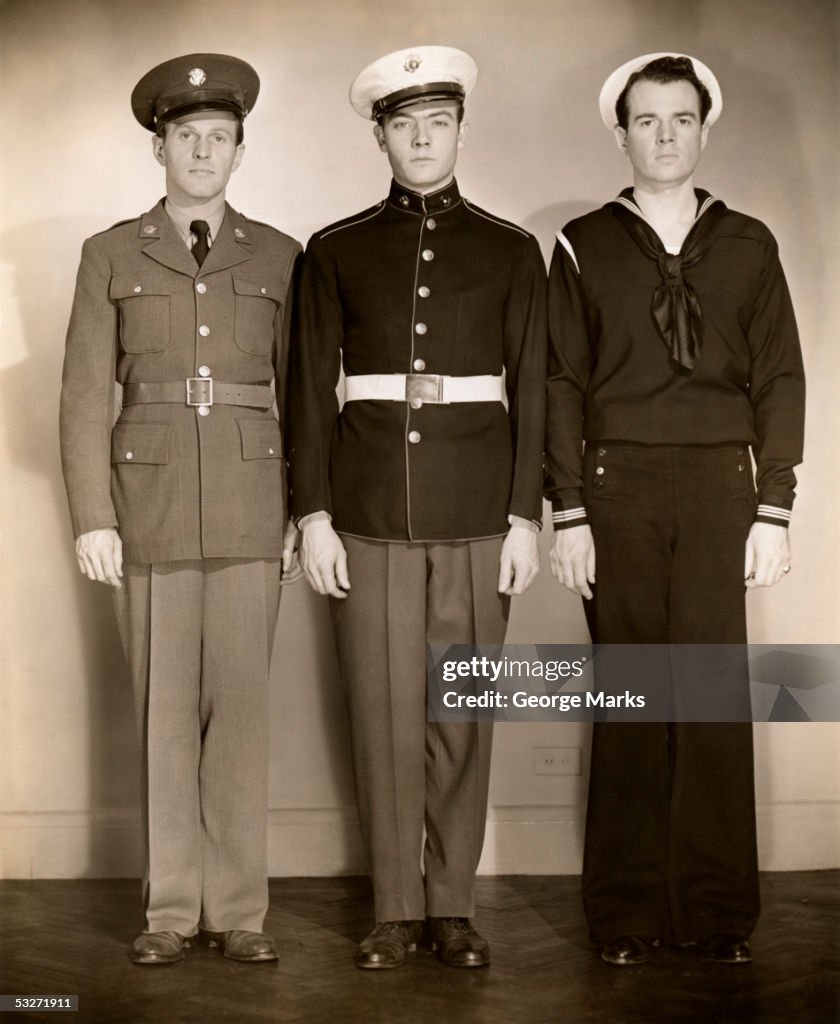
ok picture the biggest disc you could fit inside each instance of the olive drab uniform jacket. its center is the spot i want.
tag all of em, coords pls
(178, 482)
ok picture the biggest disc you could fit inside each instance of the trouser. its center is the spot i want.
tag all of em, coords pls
(670, 847)
(198, 637)
(410, 772)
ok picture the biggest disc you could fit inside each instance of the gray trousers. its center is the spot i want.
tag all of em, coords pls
(198, 637)
(411, 773)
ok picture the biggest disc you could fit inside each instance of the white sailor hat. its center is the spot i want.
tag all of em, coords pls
(614, 86)
(418, 75)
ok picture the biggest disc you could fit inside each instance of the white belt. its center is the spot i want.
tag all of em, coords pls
(423, 388)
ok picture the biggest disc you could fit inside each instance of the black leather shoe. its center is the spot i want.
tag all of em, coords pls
(246, 947)
(628, 951)
(390, 944)
(158, 948)
(727, 948)
(457, 943)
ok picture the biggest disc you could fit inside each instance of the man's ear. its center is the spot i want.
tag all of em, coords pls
(704, 135)
(379, 135)
(620, 137)
(237, 159)
(462, 134)
(158, 150)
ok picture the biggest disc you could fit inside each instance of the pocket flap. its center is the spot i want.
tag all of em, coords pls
(260, 285)
(261, 439)
(124, 286)
(147, 443)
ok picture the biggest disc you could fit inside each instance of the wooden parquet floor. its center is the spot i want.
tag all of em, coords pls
(71, 937)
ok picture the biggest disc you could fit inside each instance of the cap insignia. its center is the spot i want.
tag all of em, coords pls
(412, 63)
(197, 77)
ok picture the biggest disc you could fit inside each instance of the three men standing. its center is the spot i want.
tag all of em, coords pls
(419, 500)
(180, 504)
(673, 350)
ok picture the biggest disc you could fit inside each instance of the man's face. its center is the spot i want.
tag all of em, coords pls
(664, 137)
(422, 143)
(199, 156)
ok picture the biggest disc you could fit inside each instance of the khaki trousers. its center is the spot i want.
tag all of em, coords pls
(198, 637)
(409, 772)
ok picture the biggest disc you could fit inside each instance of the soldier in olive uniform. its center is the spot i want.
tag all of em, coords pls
(419, 501)
(180, 504)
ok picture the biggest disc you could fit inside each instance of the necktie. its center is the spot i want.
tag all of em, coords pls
(201, 229)
(675, 306)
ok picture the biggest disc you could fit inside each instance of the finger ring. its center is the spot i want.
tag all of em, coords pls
(786, 569)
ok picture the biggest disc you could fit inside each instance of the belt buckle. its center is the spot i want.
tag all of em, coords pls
(199, 391)
(428, 387)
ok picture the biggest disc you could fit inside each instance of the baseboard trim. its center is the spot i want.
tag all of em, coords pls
(325, 841)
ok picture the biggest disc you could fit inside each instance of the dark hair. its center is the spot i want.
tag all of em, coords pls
(160, 130)
(663, 70)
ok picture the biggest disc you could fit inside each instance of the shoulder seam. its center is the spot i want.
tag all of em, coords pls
(495, 220)
(359, 219)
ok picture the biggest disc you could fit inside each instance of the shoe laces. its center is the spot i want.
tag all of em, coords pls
(460, 924)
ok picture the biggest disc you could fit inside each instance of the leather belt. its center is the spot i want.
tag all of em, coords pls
(423, 388)
(199, 391)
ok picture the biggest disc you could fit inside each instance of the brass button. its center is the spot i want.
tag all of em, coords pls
(270, 451)
(262, 291)
(416, 403)
(204, 330)
(129, 456)
(602, 451)
(204, 410)
(420, 328)
(428, 255)
(419, 365)
(740, 467)
(600, 471)
(138, 288)
(204, 371)
(423, 292)
(201, 287)
(414, 437)
(403, 200)
(431, 223)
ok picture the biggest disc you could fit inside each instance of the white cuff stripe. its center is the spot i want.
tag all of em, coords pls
(569, 513)
(774, 511)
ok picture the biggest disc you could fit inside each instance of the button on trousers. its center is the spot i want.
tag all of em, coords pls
(670, 847)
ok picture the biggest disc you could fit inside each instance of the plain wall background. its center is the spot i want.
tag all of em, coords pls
(74, 161)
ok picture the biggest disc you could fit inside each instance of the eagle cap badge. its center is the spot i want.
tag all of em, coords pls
(412, 63)
(197, 77)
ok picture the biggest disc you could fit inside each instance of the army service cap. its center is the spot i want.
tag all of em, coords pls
(614, 86)
(197, 81)
(420, 75)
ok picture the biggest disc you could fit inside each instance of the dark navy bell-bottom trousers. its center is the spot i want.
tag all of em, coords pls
(670, 849)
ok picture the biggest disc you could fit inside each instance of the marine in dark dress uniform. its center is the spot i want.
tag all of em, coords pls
(420, 498)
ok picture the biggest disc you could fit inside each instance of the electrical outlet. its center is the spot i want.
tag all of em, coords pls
(556, 760)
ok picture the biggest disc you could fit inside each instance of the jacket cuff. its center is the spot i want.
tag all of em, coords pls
(775, 509)
(567, 512)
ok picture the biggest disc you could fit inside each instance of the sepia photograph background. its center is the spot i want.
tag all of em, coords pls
(74, 161)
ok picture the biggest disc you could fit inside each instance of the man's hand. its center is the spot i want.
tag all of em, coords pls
(767, 556)
(99, 554)
(292, 570)
(520, 561)
(324, 559)
(572, 559)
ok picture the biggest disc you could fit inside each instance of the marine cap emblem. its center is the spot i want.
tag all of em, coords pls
(412, 63)
(196, 77)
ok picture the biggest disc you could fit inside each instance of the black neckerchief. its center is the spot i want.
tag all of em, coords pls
(675, 306)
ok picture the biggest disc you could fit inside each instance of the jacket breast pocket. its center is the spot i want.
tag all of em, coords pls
(262, 479)
(144, 305)
(257, 302)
